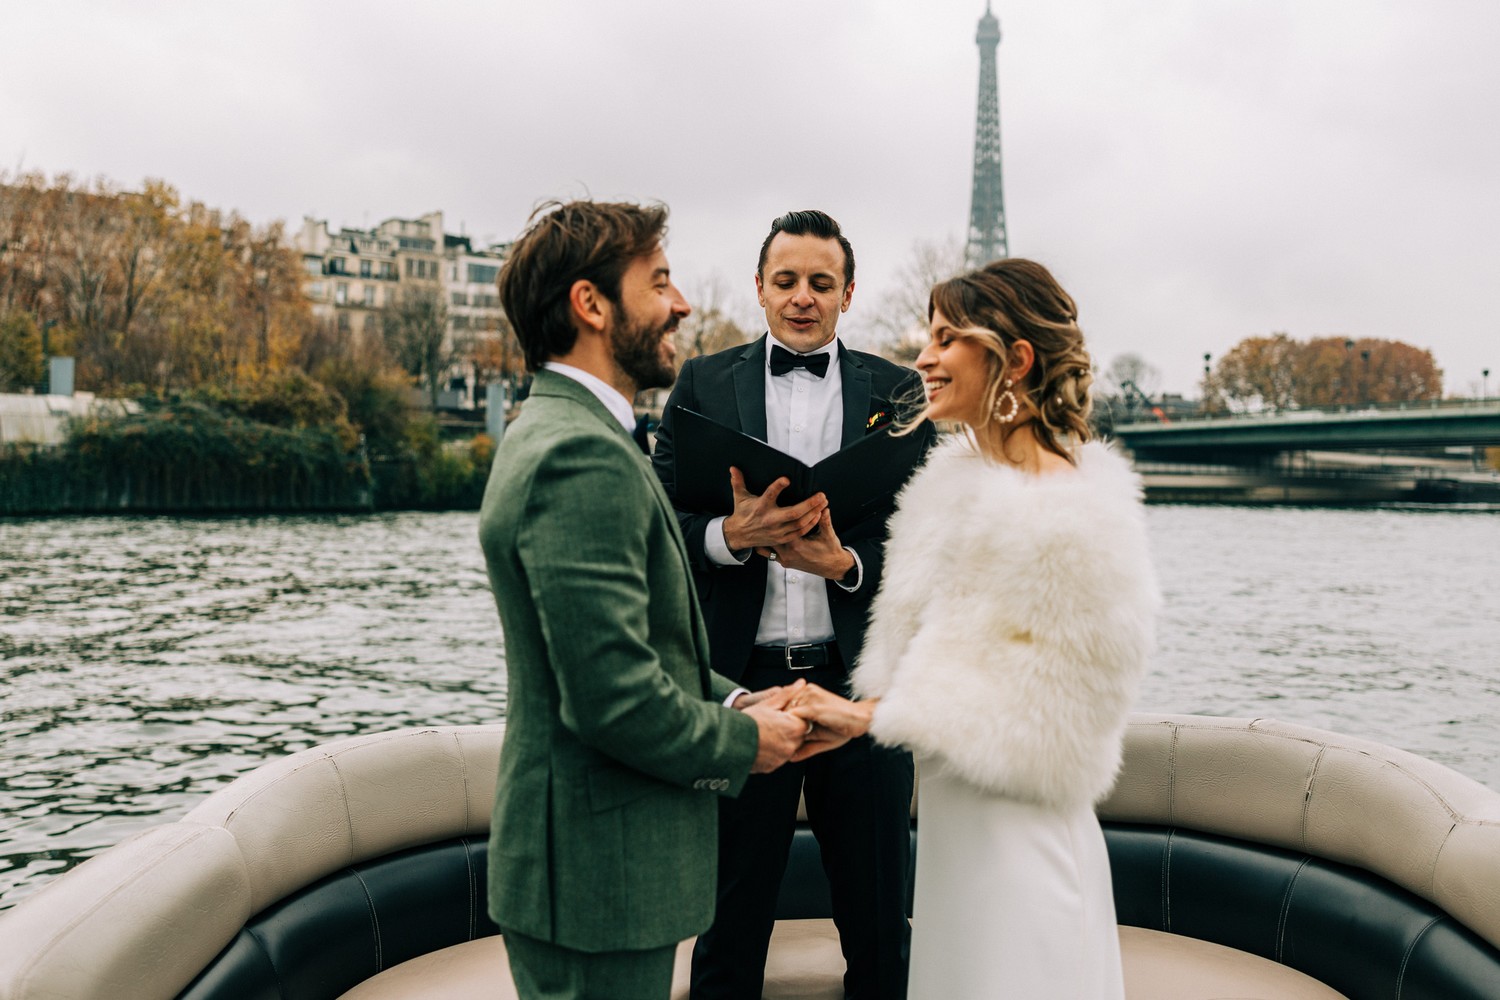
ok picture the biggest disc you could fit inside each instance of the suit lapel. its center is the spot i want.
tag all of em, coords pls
(856, 395)
(749, 377)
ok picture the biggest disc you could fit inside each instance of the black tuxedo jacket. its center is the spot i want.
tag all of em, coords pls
(730, 387)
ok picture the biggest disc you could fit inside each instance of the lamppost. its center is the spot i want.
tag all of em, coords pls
(1207, 369)
(1484, 387)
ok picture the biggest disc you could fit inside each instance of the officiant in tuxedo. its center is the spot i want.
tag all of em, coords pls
(786, 591)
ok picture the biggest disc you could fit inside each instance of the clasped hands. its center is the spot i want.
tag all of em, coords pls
(799, 537)
(801, 720)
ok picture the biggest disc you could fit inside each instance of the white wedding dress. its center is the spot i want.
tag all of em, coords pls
(1014, 621)
(1013, 900)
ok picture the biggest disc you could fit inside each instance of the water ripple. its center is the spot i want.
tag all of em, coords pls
(145, 662)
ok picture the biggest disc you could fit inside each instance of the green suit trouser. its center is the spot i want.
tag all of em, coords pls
(545, 971)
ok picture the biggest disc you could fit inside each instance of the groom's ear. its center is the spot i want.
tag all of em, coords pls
(589, 308)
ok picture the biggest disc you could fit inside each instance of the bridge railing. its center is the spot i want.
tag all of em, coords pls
(1345, 411)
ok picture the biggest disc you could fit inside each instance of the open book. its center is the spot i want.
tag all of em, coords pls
(859, 480)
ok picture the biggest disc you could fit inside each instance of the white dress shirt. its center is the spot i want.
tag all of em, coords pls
(805, 419)
(614, 401)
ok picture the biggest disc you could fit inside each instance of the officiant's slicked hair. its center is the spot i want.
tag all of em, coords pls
(566, 242)
(810, 222)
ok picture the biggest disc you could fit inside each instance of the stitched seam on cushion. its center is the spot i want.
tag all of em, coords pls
(1166, 854)
(1406, 958)
(469, 878)
(1312, 776)
(25, 973)
(1166, 882)
(1286, 908)
(311, 762)
(1172, 777)
(348, 812)
(260, 942)
(1437, 858)
(463, 773)
(374, 919)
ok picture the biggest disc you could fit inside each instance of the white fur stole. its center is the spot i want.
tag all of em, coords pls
(1013, 623)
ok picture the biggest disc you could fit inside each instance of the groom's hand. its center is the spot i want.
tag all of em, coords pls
(781, 732)
(835, 720)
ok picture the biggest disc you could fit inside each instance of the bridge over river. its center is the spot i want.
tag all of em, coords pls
(1387, 453)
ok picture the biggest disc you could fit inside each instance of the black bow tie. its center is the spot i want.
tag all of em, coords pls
(783, 361)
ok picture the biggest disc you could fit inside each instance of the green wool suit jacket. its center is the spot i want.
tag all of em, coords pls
(616, 746)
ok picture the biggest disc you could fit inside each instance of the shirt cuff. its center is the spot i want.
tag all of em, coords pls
(718, 550)
(859, 572)
(729, 702)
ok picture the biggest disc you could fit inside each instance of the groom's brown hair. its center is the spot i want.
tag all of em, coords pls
(567, 242)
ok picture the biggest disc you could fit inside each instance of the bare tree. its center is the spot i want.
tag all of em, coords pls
(715, 322)
(901, 318)
(415, 327)
(1132, 369)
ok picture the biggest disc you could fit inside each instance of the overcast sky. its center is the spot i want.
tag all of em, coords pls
(1194, 171)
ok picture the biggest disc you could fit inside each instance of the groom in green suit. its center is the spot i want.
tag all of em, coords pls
(619, 739)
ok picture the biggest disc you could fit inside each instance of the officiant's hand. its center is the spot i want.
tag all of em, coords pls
(818, 552)
(836, 720)
(757, 522)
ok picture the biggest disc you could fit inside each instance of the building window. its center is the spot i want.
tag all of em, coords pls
(312, 265)
(343, 322)
(387, 269)
(336, 265)
(370, 323)
(341, 292)
(482, 274)
(369, 295)
(452, 272)
(315, 290)
(364, 269)
(460, 299)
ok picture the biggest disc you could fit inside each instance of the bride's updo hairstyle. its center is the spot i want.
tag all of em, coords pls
(1016, 299)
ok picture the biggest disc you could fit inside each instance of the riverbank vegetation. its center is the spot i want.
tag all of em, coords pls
(242, 399)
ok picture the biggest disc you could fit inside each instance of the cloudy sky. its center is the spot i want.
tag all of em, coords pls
(1194, 171)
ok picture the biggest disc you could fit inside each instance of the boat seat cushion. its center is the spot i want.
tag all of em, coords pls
(805, 964)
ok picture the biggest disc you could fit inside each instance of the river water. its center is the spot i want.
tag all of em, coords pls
(145, 662)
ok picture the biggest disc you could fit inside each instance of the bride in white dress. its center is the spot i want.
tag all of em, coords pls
(1005, 648)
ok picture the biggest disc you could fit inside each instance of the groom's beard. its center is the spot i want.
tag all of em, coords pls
(642, 351)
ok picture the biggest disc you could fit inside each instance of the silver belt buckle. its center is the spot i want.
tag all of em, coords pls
(789, 648)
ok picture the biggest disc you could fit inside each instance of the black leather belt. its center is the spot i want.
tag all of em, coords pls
(800, 657)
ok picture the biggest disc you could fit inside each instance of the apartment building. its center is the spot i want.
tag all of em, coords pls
(351, 274)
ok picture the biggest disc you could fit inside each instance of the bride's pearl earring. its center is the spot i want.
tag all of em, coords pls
(1006, 404)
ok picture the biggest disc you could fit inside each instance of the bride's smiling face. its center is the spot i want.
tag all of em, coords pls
(955, 373)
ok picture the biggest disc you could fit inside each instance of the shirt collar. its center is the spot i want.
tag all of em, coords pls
(614, 401)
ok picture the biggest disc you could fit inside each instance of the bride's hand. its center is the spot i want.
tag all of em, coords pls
(835, 720)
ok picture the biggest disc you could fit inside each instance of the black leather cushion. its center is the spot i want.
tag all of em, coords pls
(1360, 934)
(355, 923)
(1352, 930)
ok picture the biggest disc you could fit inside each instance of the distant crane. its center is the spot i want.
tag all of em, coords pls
(1133, 393)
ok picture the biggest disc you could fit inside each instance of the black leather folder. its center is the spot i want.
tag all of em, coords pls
(859, 480)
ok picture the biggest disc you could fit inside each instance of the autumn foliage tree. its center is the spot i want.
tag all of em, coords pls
(149, 294)
(1279, 373)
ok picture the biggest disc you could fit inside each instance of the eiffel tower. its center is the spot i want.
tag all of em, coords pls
(987, 240)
